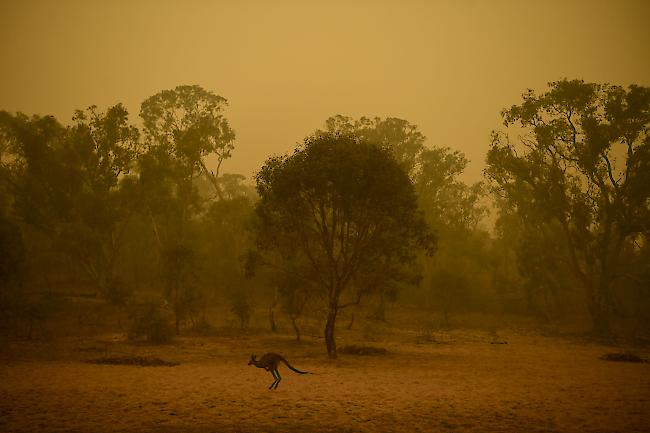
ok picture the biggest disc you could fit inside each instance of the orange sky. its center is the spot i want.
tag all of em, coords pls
(285, 66)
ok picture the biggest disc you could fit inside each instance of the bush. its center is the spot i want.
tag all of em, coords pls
(117, 293)
(623, 357)
(363, 350)
(23, 313)
(240, 307)
(151, 322)
(143, 361)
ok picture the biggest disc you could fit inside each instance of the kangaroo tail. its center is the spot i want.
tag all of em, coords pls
(291, 367)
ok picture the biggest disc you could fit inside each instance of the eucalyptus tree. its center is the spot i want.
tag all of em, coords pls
(582, 161)
(184, 129)
(344, 205)
(189, 125)
(73, 184)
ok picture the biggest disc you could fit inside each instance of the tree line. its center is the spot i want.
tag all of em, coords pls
(360, 212)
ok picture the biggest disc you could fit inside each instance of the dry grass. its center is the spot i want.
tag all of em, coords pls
(531, 384)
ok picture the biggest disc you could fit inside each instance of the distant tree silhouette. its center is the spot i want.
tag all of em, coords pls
(188, 123)
(74, 185)
(402, 137)
(182, 128)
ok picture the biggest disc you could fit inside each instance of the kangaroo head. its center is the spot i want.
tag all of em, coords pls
(252, 360)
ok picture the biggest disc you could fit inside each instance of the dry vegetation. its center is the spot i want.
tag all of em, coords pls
(456, 380)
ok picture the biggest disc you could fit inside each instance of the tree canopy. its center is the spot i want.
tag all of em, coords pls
(72, 184)
(346, 206)
(188, 124)
(403, 138)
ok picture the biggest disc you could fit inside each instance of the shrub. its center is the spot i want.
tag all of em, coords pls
(151, 322)
(240, 307)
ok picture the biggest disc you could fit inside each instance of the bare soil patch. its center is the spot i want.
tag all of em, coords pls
(532, 384)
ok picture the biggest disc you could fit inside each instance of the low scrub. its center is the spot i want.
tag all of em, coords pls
(363, 350)
(143, 361)
(623, 357)
(151, 322)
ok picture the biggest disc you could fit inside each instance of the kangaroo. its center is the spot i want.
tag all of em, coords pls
(270, 362)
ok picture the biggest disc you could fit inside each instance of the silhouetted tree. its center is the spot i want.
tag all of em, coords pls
(543, 270)
(583, 162)
(449, 203)
(345, 204)
(295, 286)
(188, 124)
(183, 128)
(454, 209)
(12, 270)
(181, 290)
(73, 184)
(224, 241)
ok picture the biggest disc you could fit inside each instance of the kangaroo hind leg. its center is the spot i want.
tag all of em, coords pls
(278, 379)
(275, 379)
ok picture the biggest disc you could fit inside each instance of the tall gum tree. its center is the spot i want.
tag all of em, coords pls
(582, 160)
(183, 127)
(346, 207)
(188, 123)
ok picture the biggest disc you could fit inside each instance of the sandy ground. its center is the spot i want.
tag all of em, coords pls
(531, 384)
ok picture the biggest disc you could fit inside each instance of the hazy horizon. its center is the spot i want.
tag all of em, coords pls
(286, 66)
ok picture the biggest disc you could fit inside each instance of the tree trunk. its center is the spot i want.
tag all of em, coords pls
(30, 329)
(330, 341)
(601, 323)
(599, 309)
(272, 323)
(530, 302)
(274, 327)
(295, 327)
(177, 312)
(351, 323)
(380, 310)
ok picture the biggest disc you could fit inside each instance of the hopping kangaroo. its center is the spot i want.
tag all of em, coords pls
(270, 362)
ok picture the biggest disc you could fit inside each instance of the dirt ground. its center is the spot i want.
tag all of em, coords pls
(464, 383)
